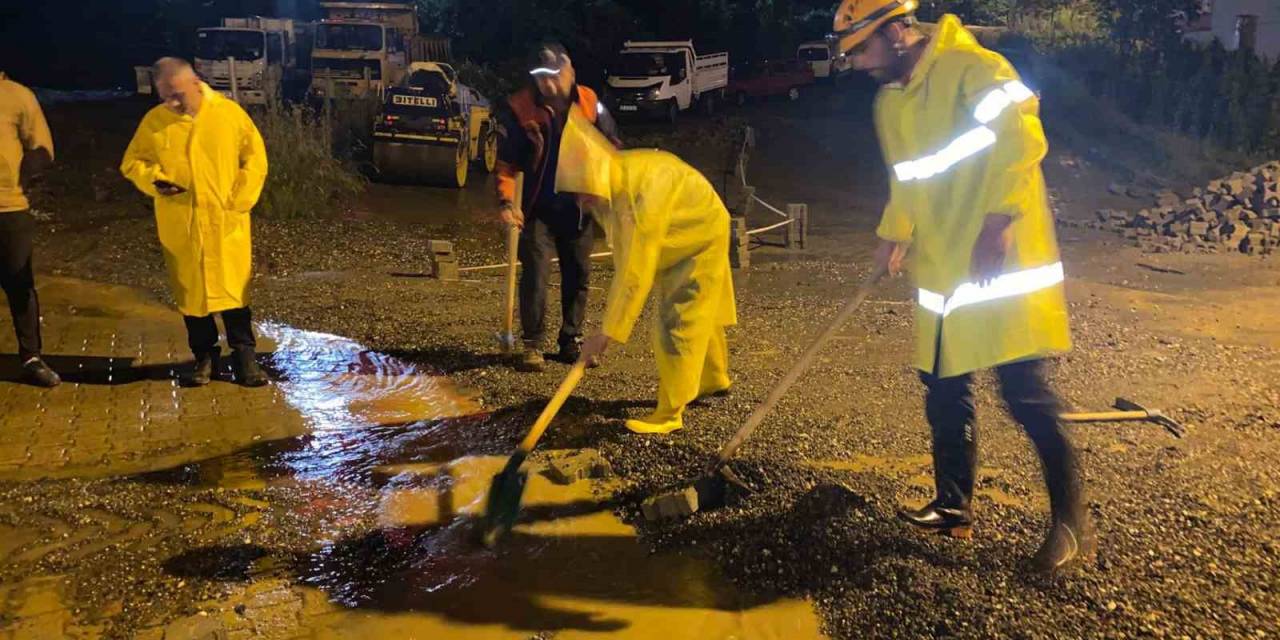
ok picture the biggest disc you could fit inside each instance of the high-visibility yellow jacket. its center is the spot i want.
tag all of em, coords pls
(219, 158)
(963, 139)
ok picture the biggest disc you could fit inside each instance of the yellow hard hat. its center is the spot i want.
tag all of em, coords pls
(586, 159)
(856, 20)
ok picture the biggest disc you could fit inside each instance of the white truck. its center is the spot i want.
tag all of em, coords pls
(826, 62)
(248, 59)
(663, 78)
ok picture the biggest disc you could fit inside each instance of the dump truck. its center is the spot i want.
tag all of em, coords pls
(663, 78)
(363, 48)
(432, 128)
(250, 60)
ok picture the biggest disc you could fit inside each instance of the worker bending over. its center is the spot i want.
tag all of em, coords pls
(670, 234)
(963, 138)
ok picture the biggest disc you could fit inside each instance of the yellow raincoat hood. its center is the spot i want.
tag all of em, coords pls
(963, 140)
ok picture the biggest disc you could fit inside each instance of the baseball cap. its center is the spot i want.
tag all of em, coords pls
(547, 59)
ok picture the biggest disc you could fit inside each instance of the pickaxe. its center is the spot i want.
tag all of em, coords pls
(1127, 411)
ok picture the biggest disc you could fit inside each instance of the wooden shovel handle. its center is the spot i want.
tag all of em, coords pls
(553, 407)
(513, 244)
(1106, 416)
(799, 368)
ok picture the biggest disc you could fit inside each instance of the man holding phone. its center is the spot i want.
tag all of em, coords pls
(201, 158)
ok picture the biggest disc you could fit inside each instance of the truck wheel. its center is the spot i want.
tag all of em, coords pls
(673, 112)
(793, 94)
(709, 104)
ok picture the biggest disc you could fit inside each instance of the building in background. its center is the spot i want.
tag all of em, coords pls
(1239, 24)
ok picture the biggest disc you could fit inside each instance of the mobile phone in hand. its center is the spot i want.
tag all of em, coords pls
(166, 187)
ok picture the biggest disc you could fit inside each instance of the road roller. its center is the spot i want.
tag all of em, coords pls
(432, 128)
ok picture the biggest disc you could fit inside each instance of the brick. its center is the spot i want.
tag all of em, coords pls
(581, 466)
(670, 506)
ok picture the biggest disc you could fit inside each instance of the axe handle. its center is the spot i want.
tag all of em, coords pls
(553, 407)
(513, 244)
(799, 368)
(1106, 416)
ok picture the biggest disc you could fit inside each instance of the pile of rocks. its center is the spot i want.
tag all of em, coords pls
(1238, 213)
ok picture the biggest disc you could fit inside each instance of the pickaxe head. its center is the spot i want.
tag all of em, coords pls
(1155, 415)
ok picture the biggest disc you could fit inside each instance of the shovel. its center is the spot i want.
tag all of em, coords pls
(507, 337)
(710, 489)
(507, 488)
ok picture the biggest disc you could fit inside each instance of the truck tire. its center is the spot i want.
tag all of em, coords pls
(673, 112)
(709, 104)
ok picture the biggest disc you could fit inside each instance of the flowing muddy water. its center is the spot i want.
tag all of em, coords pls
(365, 526)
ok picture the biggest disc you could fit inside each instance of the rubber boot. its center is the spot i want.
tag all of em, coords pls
(248, 373)
(202, 373)
(658, 422)
(1071, 541)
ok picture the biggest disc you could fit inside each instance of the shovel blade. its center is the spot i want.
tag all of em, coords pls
(503, 506)
(507, 341)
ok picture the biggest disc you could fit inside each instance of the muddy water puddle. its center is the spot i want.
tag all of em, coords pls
(364, 526)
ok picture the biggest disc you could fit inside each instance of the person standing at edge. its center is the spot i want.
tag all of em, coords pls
(550, 223)
(963, 137)
(199, 155)
(26, 148)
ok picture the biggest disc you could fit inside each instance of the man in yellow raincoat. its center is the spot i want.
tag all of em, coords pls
(670, 234)
(963, 138)
(201, 158)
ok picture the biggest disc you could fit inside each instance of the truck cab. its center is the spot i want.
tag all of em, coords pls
(356, 59)
(664, 78)
(247, 59)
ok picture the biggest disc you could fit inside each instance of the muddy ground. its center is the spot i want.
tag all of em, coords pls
(1188, 543)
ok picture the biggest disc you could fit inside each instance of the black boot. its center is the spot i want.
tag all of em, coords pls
(1068, 546)
(248, 373)
(1070, 542)
(38, 374)
(957, 523)
(202, 373)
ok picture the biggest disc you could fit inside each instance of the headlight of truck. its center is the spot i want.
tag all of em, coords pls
(653, 94)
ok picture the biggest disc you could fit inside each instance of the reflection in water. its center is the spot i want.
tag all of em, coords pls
(392, 499)
(363, 407)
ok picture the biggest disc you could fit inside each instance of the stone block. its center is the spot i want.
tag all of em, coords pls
(1198, 229)
(583, 465)
(670, 506)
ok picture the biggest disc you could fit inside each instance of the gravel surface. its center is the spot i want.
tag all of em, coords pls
(1188, 544)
